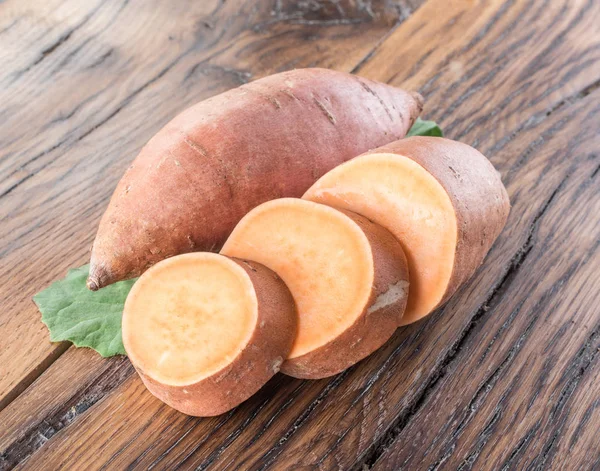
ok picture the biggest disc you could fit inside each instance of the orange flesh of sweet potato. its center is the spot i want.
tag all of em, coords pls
(403, 196)
(442, 200)
(187, 322)
(199, 175)
(322, 257)
(200, 329)
(327, 260)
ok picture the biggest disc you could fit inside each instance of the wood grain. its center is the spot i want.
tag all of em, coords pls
(85, 85)
(72, 384)
(537, 127)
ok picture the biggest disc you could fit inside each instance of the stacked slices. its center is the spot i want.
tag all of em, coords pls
(311, 286)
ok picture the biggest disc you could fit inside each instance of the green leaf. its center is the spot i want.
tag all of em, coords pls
(86, 318)
(425, 128)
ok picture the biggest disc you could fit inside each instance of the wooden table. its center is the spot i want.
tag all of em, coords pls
(505, 376)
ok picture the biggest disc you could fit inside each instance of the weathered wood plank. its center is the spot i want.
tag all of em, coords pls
(495, 66)
(143, 432)
(86, 85)
(70, 386)
(339, 421)
(581, 446)
(522, 393)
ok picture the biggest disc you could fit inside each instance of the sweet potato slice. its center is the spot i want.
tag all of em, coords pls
(200, 174)
(442, 199)
(347, 275)
(205, 332)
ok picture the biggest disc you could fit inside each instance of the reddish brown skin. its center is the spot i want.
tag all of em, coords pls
(260, 360)
(370, 330)
(199, 175)
(475, 189)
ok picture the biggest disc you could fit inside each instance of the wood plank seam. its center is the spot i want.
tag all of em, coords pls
(27, 380)
(228, 441)
(372, 52)
(70, 411)
(492, 379)
(518, 259)
(95, 126)
(275, 416)
(183, 436)
(274, 452)
(303, 417)
(494, 298)
(583, 360)
(244, 76)
(539, 117)
(488, 383)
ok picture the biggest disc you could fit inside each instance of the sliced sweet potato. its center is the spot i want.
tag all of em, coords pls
(200, 174)
(205, 332)
(347, 275)
(442, 199)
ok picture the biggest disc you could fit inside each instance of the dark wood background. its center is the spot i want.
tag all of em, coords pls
(505, 376)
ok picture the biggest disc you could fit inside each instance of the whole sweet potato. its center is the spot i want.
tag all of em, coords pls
(217, 160)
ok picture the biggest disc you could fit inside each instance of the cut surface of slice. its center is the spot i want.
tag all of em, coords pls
(185, 322)
(328, 270)
(336, 265)
(442, 199)
(401, 195)
(194, 323)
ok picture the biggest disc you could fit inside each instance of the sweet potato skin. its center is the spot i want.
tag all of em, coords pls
(376, 324)
(475, 189)
(199, 175)
(261, 359)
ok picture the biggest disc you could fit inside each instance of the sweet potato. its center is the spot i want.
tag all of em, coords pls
(347, 275)
(205, 332)
(442, 199)
(211, 164)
